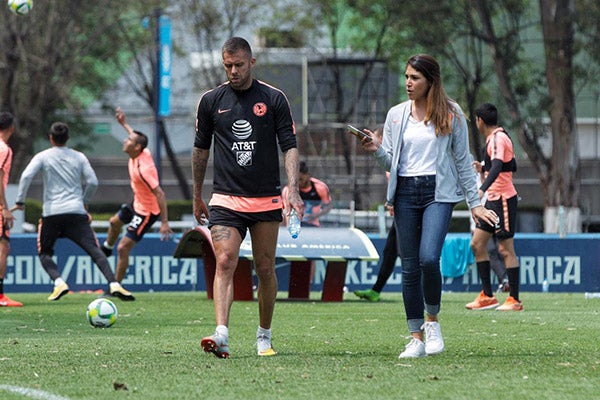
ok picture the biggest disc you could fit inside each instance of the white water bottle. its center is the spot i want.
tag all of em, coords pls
(545, 286)
(294, 224)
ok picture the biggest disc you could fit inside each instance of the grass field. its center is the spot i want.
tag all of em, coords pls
(343, 350)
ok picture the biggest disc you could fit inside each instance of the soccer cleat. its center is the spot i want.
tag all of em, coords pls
(434, 342)
(58, 292)
(107, 252)
(414, 349)
(264, 346)
(117, 290)
(5, 301)
(368, 294)
(215, 344)
(511, 305)
(483, 302)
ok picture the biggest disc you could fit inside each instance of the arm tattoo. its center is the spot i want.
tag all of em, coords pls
(199, 164)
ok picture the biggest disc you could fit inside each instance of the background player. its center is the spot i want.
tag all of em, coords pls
(69, 183)
(502, 198)
(149, 201)
(7, 128)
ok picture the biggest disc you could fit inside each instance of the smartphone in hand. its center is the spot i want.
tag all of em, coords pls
(358, 133)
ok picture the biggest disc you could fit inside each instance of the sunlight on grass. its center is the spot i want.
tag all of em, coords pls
(343, 350)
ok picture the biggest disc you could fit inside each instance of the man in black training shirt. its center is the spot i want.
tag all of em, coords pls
(249, 122)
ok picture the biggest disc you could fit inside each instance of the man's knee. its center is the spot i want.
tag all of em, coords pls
(264, 270)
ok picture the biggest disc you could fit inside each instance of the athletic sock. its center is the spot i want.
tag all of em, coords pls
(1, 287)
(513, 281)
(483, 268)
(222, 330)
(105, 244)
(58, 281)
(263, 332)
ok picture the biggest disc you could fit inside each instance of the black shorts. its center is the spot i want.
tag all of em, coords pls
(241, 220)
(138, 224)
(506, 209)
(75, 227)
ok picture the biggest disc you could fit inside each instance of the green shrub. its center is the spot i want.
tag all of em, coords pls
(102, 211)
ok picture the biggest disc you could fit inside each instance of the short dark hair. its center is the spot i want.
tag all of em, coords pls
(6, 120)
(141, 139)
(59, 132)
(303, 168)
(488, 114)
(235, 44)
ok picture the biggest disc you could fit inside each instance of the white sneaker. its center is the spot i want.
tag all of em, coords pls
(434, 342)
(414, 349)
(264, 346)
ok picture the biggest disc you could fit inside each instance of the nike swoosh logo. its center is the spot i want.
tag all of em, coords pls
(220, 111)
(3, 303)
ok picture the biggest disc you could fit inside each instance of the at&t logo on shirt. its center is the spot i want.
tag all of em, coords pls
(242, 130)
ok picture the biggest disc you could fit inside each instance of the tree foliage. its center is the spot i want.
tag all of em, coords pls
(59, 57)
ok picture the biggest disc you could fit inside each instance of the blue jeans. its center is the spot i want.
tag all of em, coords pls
(422, 225)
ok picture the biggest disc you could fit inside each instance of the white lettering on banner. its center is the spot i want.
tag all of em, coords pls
(168, 277)
(149, 270)
(321, 246)
(535, 269)
(319, 275)
(565, 270)
(351, 275)
(142, 274)
(27, 271)
(367, 273)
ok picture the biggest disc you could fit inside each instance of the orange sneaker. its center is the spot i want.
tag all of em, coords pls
(7, 302)
(511, 305)
(483, 302)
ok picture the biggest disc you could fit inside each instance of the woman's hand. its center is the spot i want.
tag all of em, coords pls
(482, 214)
(370, 143)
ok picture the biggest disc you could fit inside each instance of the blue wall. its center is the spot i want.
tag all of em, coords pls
(570, 265)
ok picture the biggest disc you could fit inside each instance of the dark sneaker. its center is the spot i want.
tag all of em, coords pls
(107, 252)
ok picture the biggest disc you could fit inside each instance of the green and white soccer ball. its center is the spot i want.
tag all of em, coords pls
(102, 313)
(20, 7)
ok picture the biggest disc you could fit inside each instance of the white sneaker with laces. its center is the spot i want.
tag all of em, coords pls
(414, 349)
(434, 342)
(264, 346)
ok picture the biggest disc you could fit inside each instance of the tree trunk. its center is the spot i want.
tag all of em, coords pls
(183, 185)
(565, 174)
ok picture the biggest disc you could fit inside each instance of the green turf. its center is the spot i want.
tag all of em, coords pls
(343, 350)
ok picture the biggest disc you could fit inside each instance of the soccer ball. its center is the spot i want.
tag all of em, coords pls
(102, 313)
(20, 7)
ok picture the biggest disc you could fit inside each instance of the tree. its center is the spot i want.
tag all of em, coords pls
(210, 24)
(559, 172)
(59, 57)
(141, 76)
(360, 26)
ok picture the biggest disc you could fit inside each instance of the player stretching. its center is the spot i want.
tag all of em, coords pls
(149, 201)
(64, 214)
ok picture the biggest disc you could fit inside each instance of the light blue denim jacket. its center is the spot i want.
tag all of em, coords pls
(455, 175)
